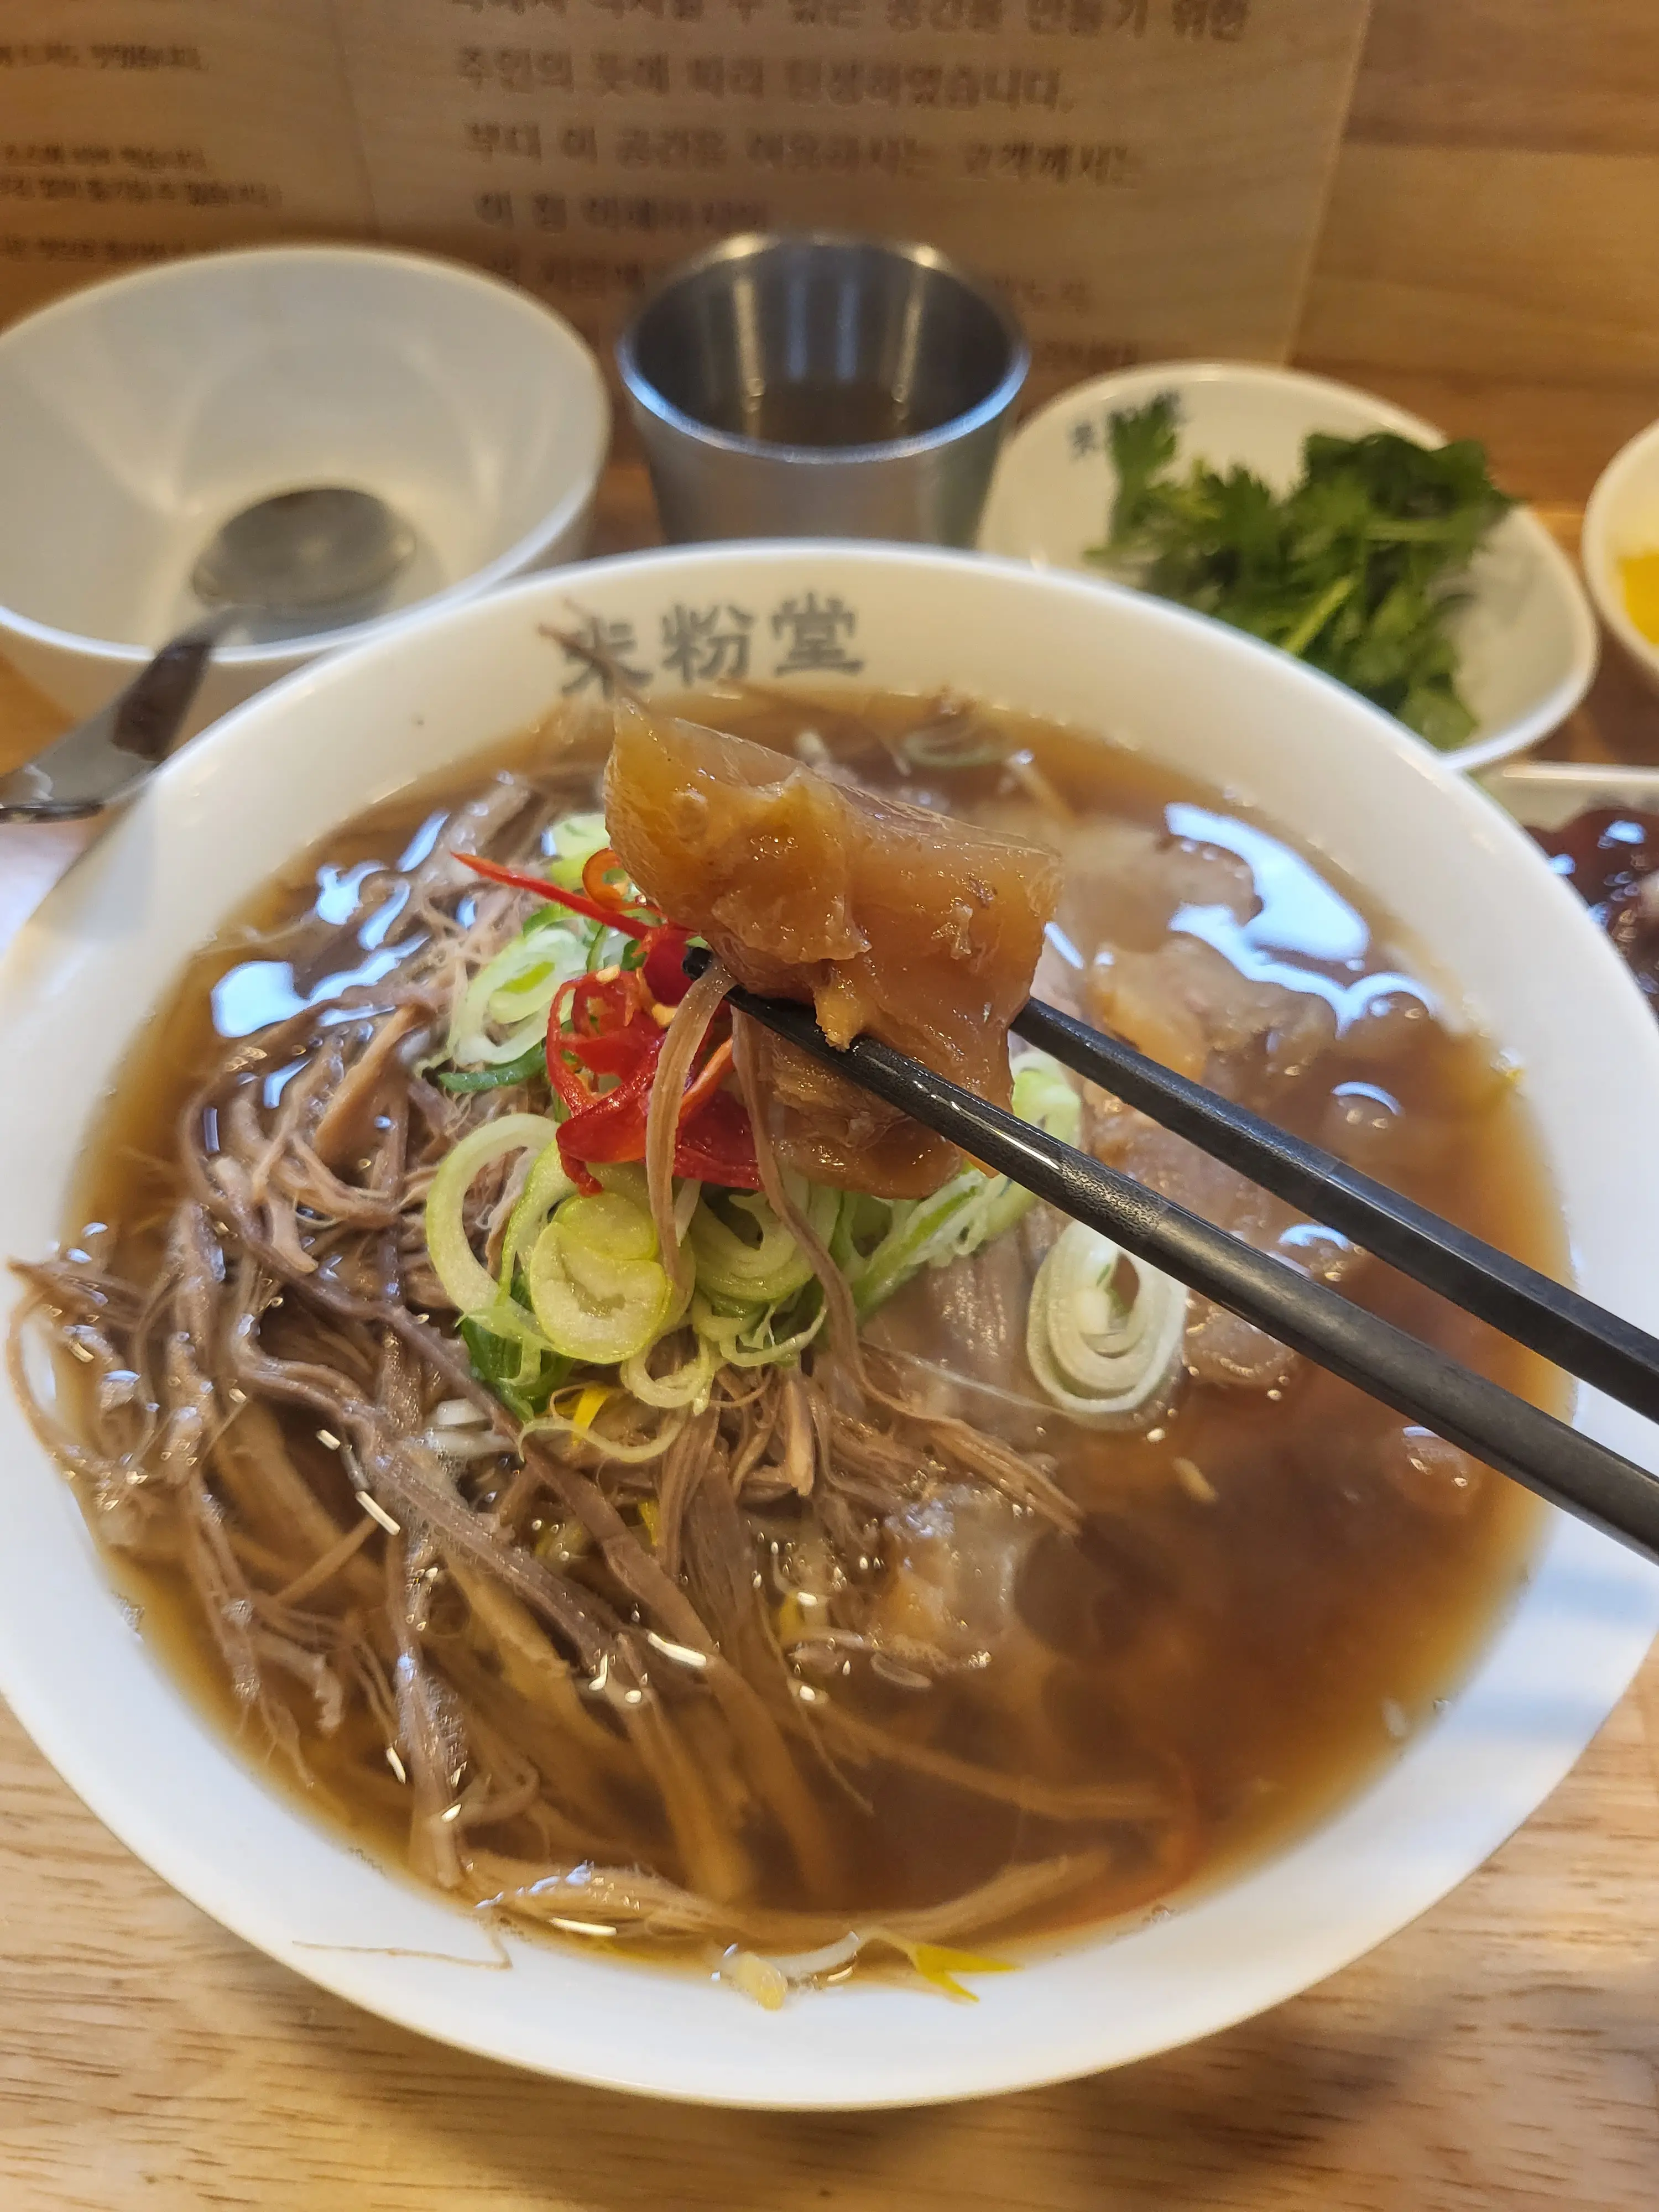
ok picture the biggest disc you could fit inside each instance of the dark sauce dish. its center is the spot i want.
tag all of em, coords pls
(1599, 828)
(1610, 855)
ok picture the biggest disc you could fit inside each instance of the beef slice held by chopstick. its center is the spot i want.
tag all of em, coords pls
(890, 920)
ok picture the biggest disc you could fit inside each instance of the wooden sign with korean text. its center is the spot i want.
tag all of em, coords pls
(1143, 176)
(133, 129)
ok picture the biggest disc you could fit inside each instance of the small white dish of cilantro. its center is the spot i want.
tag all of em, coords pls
(1324, 521)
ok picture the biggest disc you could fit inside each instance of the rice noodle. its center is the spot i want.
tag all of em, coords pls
(325, 1569)
(634, 1903)
(837, 1291)
(683, 1035)
(1052, 1801)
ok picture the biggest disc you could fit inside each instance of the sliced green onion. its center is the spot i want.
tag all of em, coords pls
(546, 1186)
(924, 1233)
(967, 1213)
(552, 1422)
(606, 947)
(520, 1346)
(687, 1384)
(956, 739)
(628, 1176)
(463, 1081)
(468, 1283)
(1104, 1332)
(1046, 1098)
(600, 1234)
(495, 1360)
(597, 1285)
(524, 997)
(502, 1012)
(760, 1271)
(576, 840)
(861, 1222)
(746, 1339)
(517, 1365)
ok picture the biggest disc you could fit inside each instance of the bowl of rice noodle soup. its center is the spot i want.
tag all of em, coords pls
(586, 1535)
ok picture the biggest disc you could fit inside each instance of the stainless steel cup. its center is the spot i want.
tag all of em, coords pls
(814, 385)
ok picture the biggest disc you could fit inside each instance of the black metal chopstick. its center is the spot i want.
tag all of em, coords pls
(1548, 1318)
(1557, 1462)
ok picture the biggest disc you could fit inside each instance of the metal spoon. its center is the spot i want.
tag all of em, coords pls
(321, 556)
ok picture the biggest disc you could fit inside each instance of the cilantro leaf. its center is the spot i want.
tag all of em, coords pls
(1143, 446)
(1355, 569)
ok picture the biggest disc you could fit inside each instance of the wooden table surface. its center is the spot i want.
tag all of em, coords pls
(1502, 2055)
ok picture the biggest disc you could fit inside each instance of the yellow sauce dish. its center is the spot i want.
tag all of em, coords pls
(1638, 577)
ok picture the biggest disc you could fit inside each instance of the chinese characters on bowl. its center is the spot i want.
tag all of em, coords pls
(688, 644)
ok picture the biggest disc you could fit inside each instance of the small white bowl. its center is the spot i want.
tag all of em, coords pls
(1527, 637)
(137, 416)
(1517, 951)
(1623, 517)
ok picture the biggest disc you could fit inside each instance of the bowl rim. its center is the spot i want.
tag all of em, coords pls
(1635, 456)
(187, 268)
(1523, 730)
(649, 399)
(1614, 1600)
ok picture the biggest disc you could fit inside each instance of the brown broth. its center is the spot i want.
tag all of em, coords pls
(1271, 1643)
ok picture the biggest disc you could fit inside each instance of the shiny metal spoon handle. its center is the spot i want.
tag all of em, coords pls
(106, 758)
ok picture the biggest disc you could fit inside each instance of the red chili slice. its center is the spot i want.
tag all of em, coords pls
(617, 1052)
(600, 1004)
(609, 1034)
(718, 1145)
(597, 872)
(707, 1081)
(515, 881)
(663, 964)
(564, 1077)
(608, 1129)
